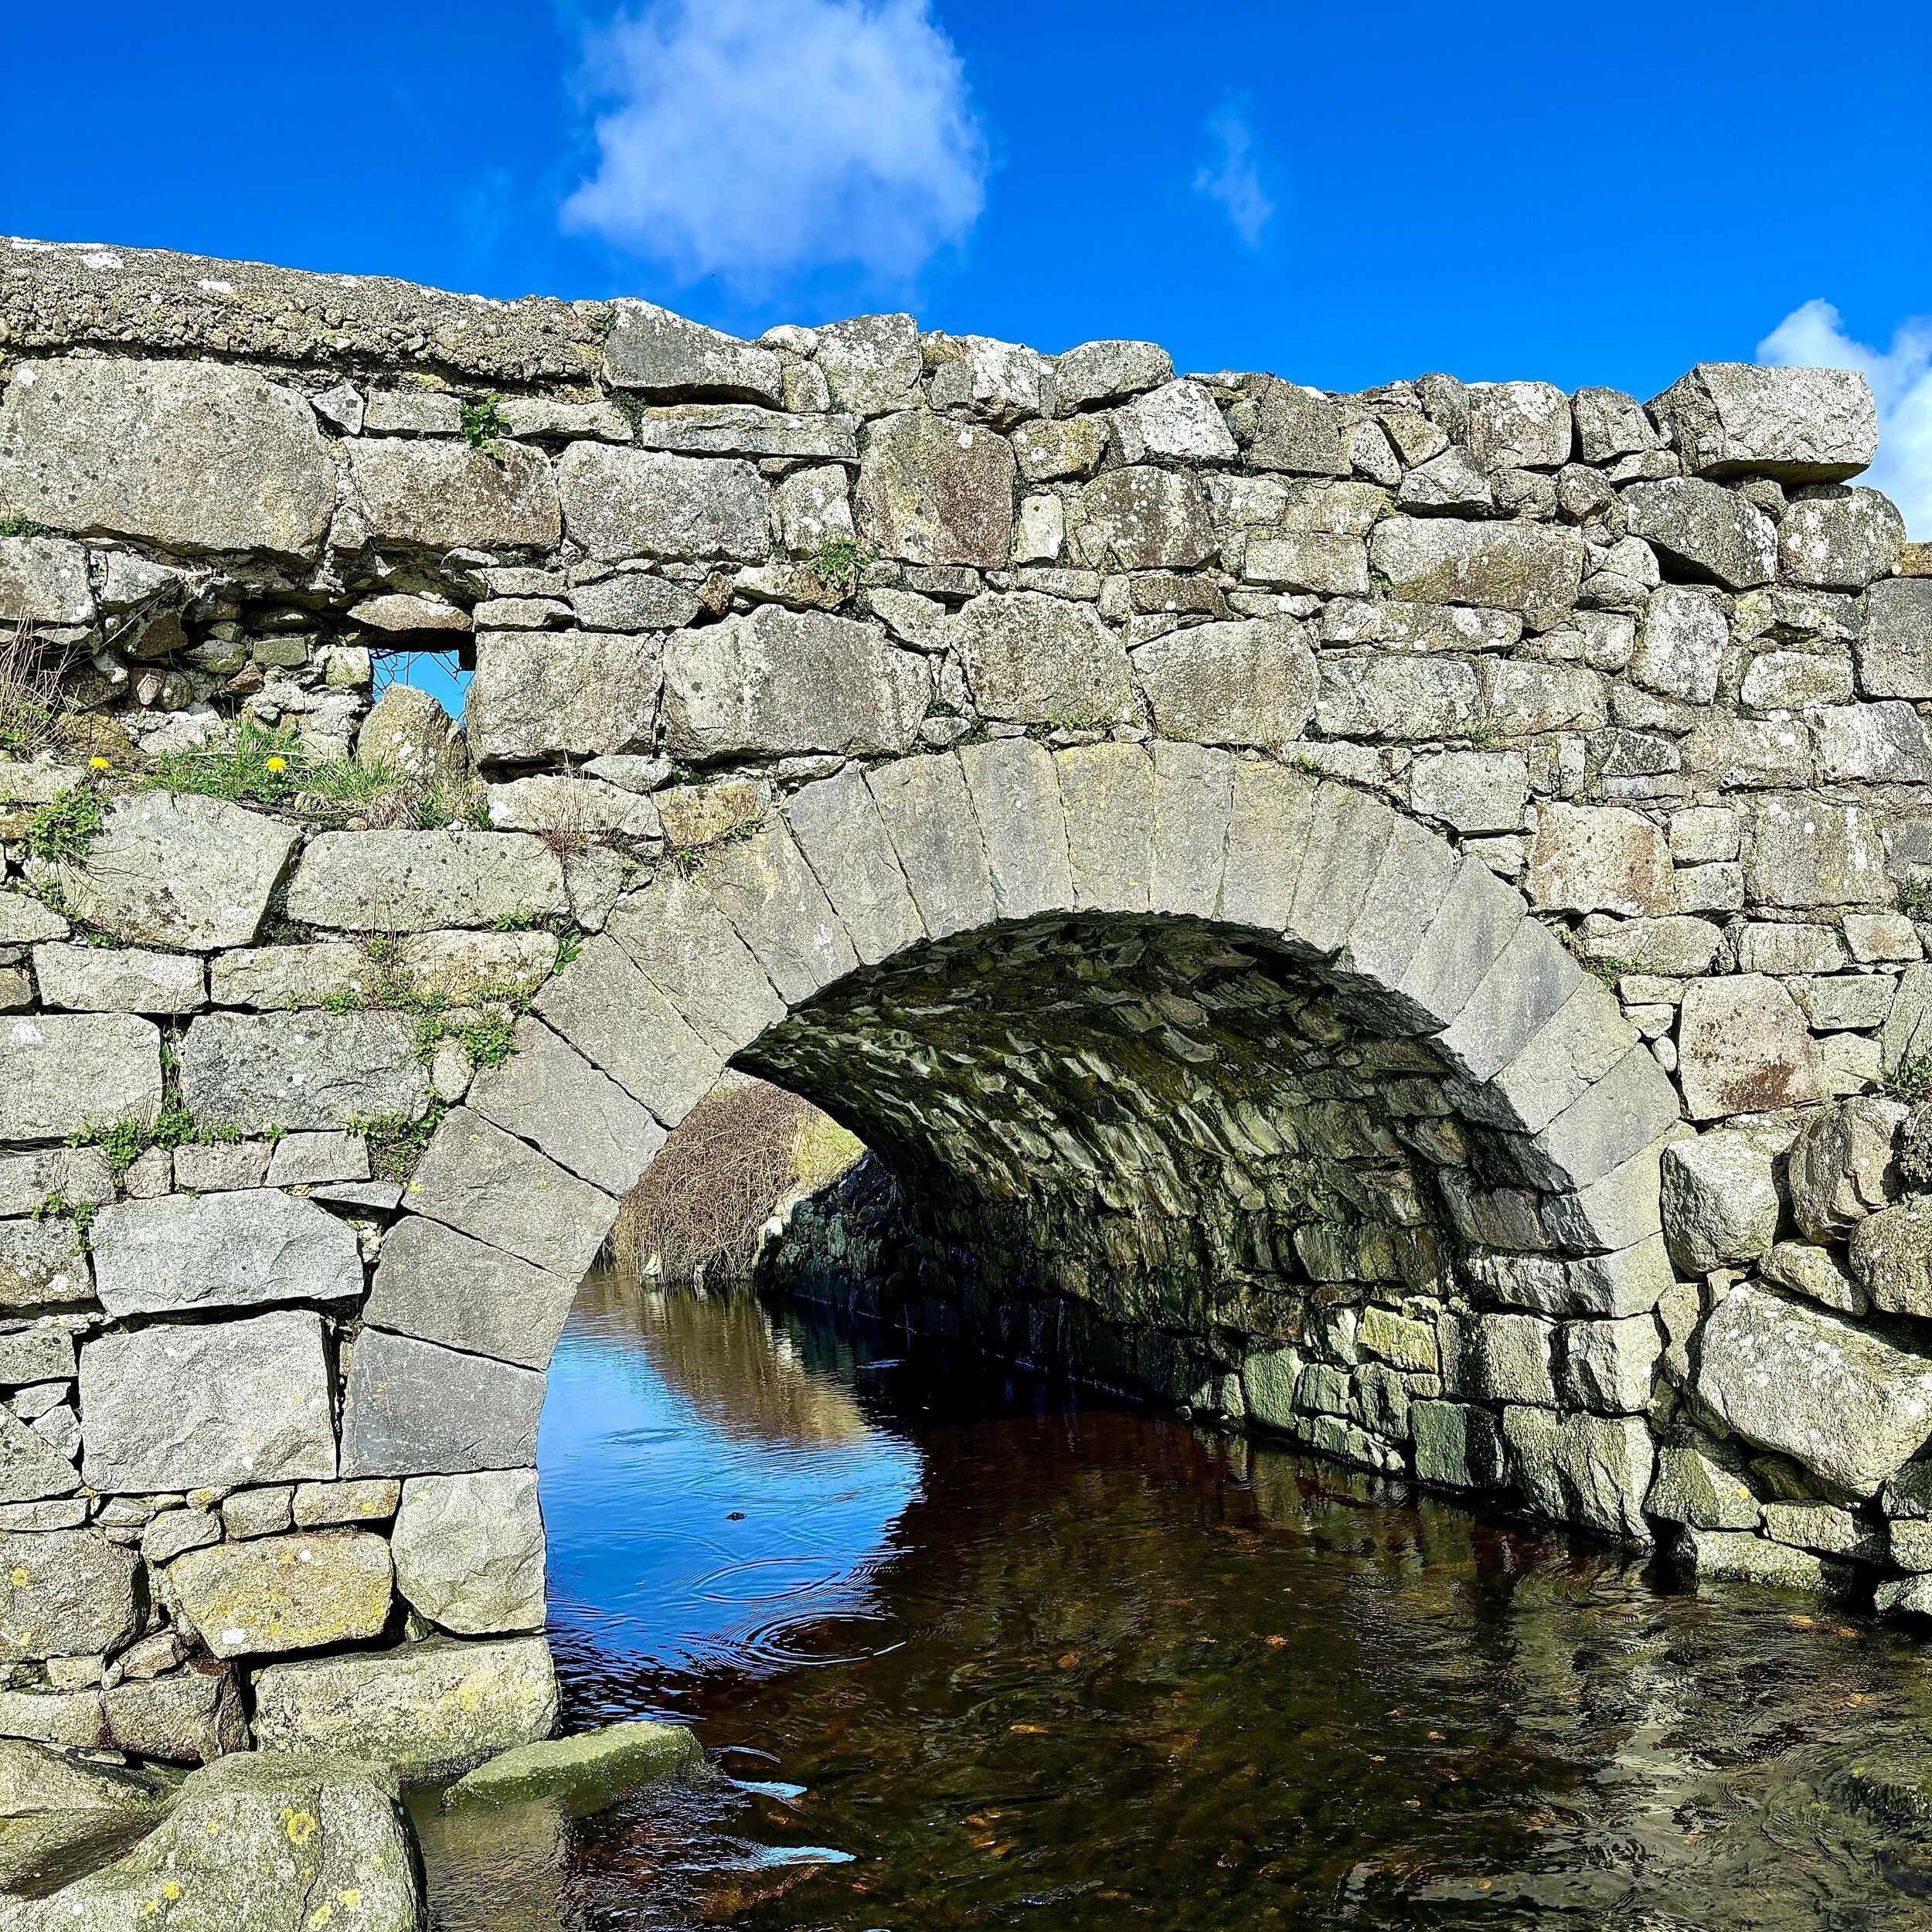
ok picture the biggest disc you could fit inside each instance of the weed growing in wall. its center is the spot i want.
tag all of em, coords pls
(483, 422)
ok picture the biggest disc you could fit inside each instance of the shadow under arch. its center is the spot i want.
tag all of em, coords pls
(1192, 1042)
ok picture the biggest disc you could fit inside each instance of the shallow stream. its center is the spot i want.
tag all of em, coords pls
(975, 1652)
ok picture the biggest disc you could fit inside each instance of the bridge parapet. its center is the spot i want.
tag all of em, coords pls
(1394, 918)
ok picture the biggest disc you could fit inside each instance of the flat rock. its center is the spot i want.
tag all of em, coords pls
(620, 502)
(414, 1408)
(1714, 1555)
(67, 1592)
(1589, 859)
(1895, 639)
(277, 1594)
(59, 1076)
(192, 1718)
(740, 429)
(633, 601)
(44, 1263)
(93, 979)
(1030, 658)
(1837, 1398)
(586, 1773)
(188, 1252)
(430, 1709)
(1142, 517)
(277, 977)
(436, 494)
(170, 1409)
(1707, 531)
(185, 872)
(934, 491)
(780, 683)
(652, 352)
(1799, 425)
(1505, 566)
(196, 456)
(31, 1466)
(260, 1841)
(62, 1718)
(470, 1551)
(538, 693)
(1249, 682)
(399, 882)
(251, 1073)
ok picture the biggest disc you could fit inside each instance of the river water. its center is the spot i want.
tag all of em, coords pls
(974, 1653)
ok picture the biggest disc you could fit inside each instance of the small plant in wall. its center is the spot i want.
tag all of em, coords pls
(836, 564)
(483, 422)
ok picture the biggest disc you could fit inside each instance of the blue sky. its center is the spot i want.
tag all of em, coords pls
(1344, 195)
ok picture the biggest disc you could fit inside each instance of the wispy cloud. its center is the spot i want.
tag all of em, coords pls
(1233, 178)
(752, 139)
(1813, 337)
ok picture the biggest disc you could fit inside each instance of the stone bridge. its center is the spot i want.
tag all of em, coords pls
(1386, 918)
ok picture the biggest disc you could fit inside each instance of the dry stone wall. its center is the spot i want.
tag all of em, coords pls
(1389, 918)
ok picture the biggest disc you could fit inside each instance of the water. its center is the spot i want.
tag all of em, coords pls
(976, 1653)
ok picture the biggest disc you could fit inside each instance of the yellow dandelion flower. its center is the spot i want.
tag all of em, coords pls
(278, 764)
(99, 764)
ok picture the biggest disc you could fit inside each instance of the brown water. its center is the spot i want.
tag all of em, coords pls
(975, 1653)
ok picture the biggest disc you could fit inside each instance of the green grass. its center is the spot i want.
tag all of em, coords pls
(1911, 1081)
(396, 1142)
(62, 832)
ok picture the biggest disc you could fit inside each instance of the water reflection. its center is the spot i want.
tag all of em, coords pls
(1108, 1671)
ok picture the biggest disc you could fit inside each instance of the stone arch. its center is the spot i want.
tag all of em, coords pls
(1524, 1180)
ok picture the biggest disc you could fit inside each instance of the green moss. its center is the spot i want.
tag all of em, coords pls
(25, 526)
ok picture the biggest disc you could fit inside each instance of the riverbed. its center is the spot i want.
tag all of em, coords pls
(972, 1650)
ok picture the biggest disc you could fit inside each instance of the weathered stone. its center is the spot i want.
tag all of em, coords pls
(790, 682)
(185, 872)
(275, 1593)
(1700, 1481)
(64, 1718)
(1519, 425)
(31, 1466)
(396, 882)
(1681, 644)
(1840, 1167)
(1795, 680)
(187, 1252)
(584, 1773)
(1106, 372)
(1143, 519)
(1471, 791)
(1608, 1365)
(192, 1718)
(469, 1551)
(1509, 566)
(44, 1353)
(89, 979)
(59, 1076)
(933, 490)
(1588, 859)
(1591, 1470)
(25, 920)
(67, 1592)
(1299, 430)
(252, 1073)
(1108, 793)
(410, 733)
(44, 583)
(1725, 1556)
(1895, 639)
(43, 1263)
(1812, 1272)
(1500, 1358)
(323, 1505)
(435, 495)
(547, 1094)
(1032, 659)
(1801, 852)
(620, 503)
(538, 693)
(252, 1843)
(1458, 1446)
(403, 611)
(415, 1409)
(1251, 682)
(633, 601)
(652, 352)
(481, 1181)
(1884, 743)
(1711, 533)
(175, 1530)
(430, 1708)
(1177, 423)
(1367, 695)
(1906, 1040)
(871, 363)
(197, 456)
(175, 1409)
(1839, 1399)
(1744, 1048)
(926, 810)
(1891, 1256)
(1839, 539)
(1314, 561)
(258, 1513)
(1799, 425)
(1720, 1199)
(1047, 450)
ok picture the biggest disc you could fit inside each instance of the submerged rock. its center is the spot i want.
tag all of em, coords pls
(586, 1773)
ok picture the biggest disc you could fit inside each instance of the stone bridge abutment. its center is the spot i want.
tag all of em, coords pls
(1392, 919)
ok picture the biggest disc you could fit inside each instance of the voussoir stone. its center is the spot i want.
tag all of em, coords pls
(652, 352)
(399, 882)
(438, 495)
(197, 456)
(1507, 566)
(780, 683)
(1250, 682)
(1799, 425)
(620, 502)
(185, 1251)
(934, 491)
(255, 1073)
(172, 1409)
(1710, 532)
(60, 1074)
(430, 1707)
(434, 1284)
(416, 1409)
(183, 872)
(67, 1592)
(1032, 659)
(469, 1551)
(538, 693)
(1839, 1399)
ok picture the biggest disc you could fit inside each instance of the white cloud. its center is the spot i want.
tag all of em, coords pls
(1232, 179)
(752, 139)
(1813, 337)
